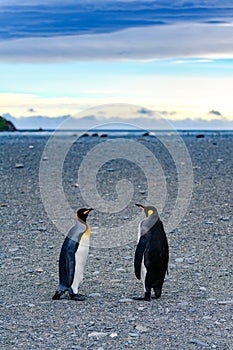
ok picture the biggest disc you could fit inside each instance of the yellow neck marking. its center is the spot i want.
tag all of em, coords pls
(150, 212)
(88, 230)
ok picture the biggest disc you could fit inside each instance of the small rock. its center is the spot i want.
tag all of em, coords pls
(128, 257)
(203, 289)
(31, 305)
(94, 295)
(41, 229)
(12, 250)
(125, 300)
(45, 158)
(113, 335)
(142, 329)
(225, 218)
(39, 270)
(134, 335)
(19, 166)
(225, 302)
(179, 260)
(31, 146)
(209, 222)
(76, 185)
(97, 334)
(120, 269)
(95, 273)
(199, 342)
(219, 160)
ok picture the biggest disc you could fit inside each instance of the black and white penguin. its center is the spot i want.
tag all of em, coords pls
(152, 253)
(73, 257)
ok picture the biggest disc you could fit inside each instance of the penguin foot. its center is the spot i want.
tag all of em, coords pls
(57, 295)
(157, 294)
(142, 298)
(77, 297)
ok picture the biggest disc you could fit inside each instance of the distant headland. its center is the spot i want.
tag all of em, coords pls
(6, 125)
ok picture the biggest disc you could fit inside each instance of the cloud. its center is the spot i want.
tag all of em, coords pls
(151, 42)
(32, 110)
(217, 113)
(145, 111)
(40, 18)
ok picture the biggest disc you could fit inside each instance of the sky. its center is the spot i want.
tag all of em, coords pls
(174, 57)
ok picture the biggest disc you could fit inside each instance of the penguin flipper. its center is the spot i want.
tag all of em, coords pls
(139, 256)
(67, 263)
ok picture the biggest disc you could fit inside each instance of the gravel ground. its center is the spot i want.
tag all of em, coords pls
(195, 310)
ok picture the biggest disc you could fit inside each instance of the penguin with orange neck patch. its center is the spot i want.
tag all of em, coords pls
(73, 257)
(152, 253)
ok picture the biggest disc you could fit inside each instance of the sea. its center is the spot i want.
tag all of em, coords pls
(116, 133)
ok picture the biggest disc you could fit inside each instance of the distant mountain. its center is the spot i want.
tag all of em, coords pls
(146, 122)
(36, 122)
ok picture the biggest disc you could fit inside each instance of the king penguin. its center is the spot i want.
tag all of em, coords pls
(73, 257)
(152, 253)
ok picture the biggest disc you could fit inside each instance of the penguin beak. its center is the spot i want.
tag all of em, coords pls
(140, 206)
(88, 211)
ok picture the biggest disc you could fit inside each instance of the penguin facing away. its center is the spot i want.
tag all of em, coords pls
(152, 253)
(73, 257)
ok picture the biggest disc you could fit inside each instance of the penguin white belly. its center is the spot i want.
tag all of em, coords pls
(143, 268)
(143, 274)
(80, 262)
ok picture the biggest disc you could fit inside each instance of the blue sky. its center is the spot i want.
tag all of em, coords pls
(169, 56)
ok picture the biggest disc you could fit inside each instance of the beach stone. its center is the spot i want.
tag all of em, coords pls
(113, 335)
(19, 166)
(120, 269)
(225, 302)
(179, 260)
(41, 229)
(39, 270)
(97, 334)
(142, 328)
(225, 218)
(94, 295)
(96, 273)
(199, 342)
(133, 335)
(202, 288)
(12, 250)
(125, 300)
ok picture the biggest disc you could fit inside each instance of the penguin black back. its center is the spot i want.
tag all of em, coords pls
(152, 253)
(73, 256)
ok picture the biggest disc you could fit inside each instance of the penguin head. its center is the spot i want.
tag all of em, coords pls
(82, 214)
(148, 210)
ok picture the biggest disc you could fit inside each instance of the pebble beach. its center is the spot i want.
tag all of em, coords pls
(195, 310)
